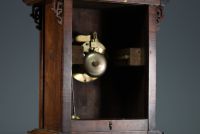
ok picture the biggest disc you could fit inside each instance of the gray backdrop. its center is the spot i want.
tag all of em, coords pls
(178, 68)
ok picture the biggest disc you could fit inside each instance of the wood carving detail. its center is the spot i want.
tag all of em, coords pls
(57, 8)
(37, 16)
(159, 14)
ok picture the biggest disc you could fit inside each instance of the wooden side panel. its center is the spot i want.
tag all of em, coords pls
(52, 70)
(152, 67)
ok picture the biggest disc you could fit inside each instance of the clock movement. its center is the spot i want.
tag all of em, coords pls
(97, 66)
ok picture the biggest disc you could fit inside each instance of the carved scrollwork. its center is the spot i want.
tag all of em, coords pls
(159, 14)
(37, 16)
(57, 8)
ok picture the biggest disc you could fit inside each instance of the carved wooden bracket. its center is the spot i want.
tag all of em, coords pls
(37, 16)
(160, 14)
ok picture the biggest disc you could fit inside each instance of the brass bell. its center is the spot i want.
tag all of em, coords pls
(95, 64)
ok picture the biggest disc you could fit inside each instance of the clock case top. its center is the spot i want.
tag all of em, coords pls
(149, 2)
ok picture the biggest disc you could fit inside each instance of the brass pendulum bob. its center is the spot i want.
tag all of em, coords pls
(95, 64)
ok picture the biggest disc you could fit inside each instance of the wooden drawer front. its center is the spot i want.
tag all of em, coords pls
(109, 125)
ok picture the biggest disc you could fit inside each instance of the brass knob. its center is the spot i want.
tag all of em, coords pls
(95, 64)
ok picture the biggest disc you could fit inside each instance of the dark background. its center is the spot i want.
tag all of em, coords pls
(178, 68)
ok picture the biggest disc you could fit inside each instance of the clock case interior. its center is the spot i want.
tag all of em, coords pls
(122, 91)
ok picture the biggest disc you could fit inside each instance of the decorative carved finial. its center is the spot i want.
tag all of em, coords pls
(159, 14)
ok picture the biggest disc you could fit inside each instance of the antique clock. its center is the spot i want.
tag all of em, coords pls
(97, 65)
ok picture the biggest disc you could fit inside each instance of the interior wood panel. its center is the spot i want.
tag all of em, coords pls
(122, 92)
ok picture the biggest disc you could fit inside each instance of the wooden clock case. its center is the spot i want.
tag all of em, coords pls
(123, 100)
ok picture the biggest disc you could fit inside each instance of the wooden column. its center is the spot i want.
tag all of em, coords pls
(53, 53)
(67, 67)
(152, 66)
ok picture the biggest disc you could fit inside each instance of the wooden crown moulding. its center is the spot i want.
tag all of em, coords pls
(138, 2)
(148, 2)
